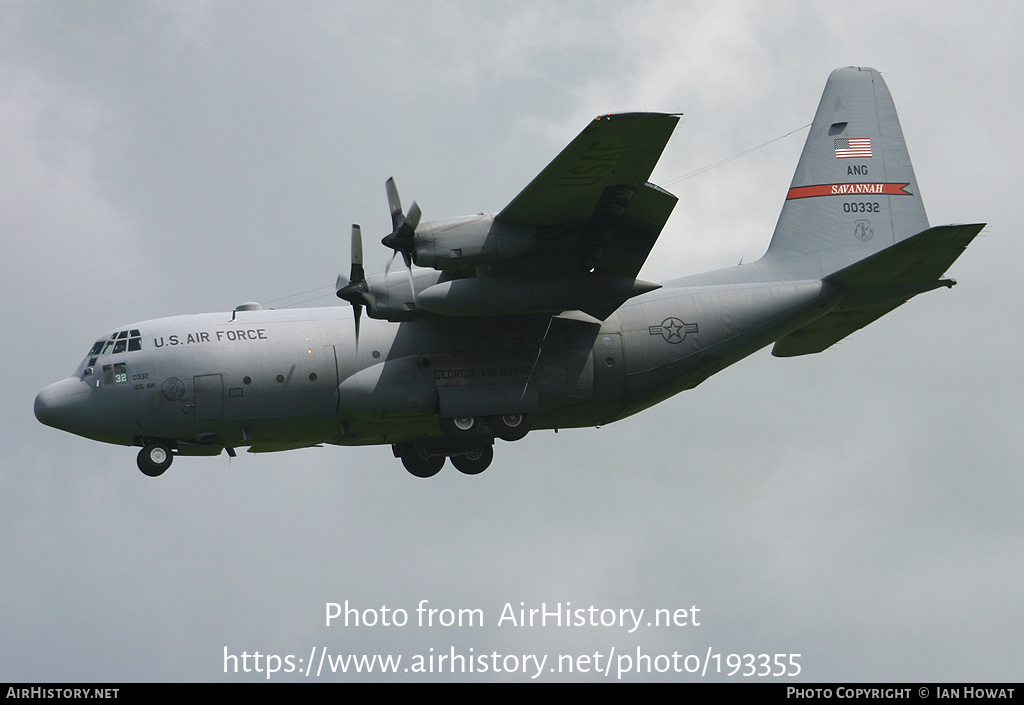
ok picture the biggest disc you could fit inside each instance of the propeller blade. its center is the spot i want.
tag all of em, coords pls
(357, 275)
(412, 285)
(394, 203)
(355, 318)
(353, 289)
(413, 217)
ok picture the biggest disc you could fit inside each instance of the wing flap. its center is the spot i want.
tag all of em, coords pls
(636, 231)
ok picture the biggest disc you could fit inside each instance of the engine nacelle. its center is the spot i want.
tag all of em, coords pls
(469, 241)
(496, 296)
(390, 297)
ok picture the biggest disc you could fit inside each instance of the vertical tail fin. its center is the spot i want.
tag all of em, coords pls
(854, 192)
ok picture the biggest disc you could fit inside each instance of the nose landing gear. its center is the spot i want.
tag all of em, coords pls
(154, 459)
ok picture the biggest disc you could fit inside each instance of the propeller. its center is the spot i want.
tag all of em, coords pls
(403, 226)
(354, 288)
(403, 231)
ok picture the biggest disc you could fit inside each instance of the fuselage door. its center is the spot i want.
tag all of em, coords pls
(209, 397)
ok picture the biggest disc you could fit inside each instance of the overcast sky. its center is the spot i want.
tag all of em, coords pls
(860, 507)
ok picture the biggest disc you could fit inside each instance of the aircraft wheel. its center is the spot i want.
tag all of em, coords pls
(510, 427)
(420, 463)
(463, 429)
(154, 459)
(475, 461)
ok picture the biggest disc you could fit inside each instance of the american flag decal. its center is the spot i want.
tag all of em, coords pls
(853, 148)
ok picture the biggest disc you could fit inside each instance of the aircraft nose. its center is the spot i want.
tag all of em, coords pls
(63, 404)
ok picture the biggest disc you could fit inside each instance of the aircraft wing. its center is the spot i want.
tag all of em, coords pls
(574, 239)
(595, 214)
(613, 150)
(880, 283)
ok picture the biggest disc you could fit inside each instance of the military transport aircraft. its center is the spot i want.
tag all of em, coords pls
(532, 318)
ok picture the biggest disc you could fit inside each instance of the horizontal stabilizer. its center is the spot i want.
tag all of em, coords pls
(830, 329)
(920, 258)
(880, 283)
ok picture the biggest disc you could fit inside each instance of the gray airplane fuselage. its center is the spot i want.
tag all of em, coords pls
(278, 379)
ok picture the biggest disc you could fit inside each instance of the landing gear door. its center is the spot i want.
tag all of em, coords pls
(564, 369)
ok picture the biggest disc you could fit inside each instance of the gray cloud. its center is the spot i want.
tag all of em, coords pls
(859, 507)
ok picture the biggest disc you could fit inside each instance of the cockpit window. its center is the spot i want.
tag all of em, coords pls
(115, 374)
(125, 340)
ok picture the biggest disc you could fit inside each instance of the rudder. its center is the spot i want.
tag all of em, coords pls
(854, 192)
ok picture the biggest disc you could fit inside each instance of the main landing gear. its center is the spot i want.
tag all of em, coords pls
(427, 461)
(154, 459)
(465, 443)
(473, 461)
(421, 462)
(508, 427)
